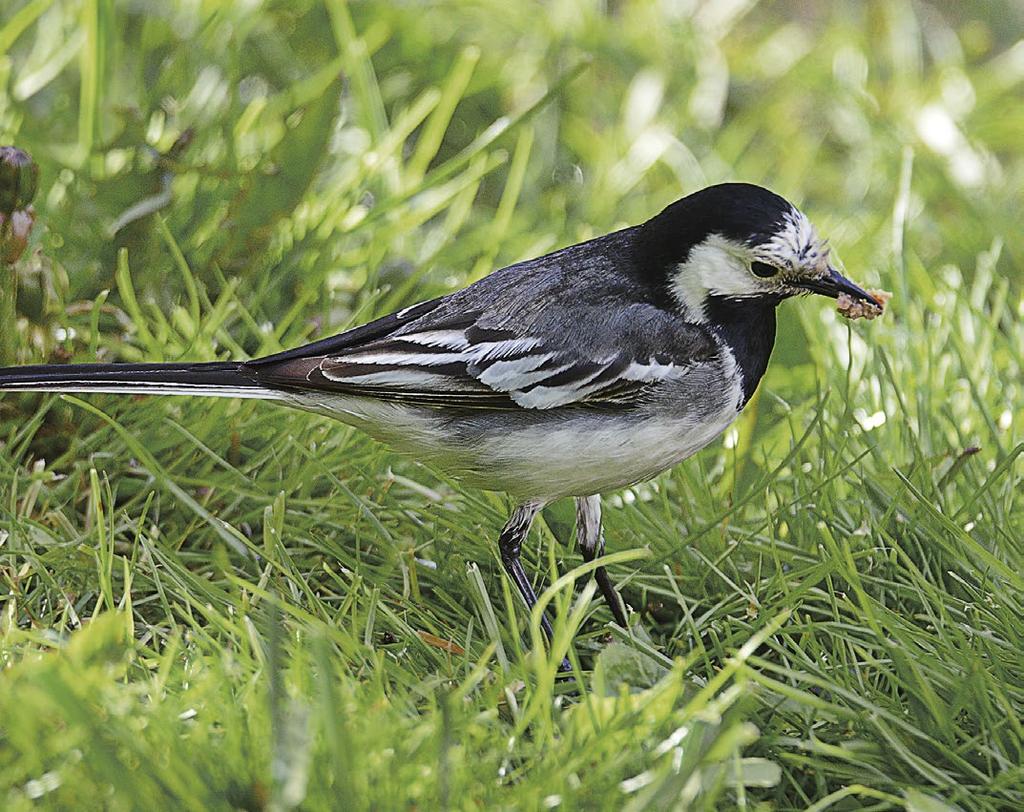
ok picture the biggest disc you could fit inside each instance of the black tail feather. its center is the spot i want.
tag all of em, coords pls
(227, 378)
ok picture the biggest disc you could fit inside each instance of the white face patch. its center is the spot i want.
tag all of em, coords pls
(719, 266)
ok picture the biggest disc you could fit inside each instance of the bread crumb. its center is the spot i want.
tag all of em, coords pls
(859, 309)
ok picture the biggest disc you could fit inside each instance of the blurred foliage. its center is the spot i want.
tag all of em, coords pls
(227, 118)
(221, 179)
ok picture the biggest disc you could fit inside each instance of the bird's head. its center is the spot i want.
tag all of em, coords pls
(735, 244)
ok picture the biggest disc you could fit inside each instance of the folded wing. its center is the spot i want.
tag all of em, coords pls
(478, 360)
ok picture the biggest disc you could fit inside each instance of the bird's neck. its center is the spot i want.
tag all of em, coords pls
(747, 326)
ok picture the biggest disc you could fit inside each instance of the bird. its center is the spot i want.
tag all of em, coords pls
(583, 371)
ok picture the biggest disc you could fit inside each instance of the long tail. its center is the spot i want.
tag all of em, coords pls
(219, 379)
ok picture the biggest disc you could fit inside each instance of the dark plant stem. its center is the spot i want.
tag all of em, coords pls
(8, 311)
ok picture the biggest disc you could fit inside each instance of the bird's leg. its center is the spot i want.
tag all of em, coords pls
(591, 539)
(510, 543)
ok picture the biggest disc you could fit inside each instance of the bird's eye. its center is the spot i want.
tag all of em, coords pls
(763, 269)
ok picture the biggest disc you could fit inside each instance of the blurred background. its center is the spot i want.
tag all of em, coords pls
(318, 153)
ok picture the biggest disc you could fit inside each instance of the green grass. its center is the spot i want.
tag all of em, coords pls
(218, 604)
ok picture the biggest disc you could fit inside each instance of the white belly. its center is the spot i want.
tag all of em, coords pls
(549, 464)
(530, 454)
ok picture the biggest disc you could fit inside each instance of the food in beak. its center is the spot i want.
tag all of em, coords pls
(853, 308)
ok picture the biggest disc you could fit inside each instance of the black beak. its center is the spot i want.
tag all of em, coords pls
(833, 284)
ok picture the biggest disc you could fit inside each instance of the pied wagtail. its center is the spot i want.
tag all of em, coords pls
(585, 370)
